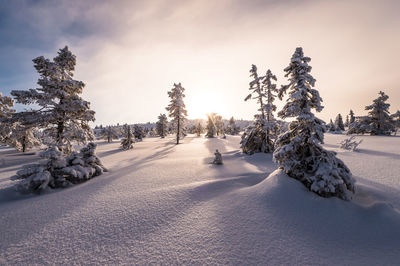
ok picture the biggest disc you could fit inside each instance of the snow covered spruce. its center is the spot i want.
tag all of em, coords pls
(299, 151)
(177, 110)
(62, 113)
(129, 139)
(64, 116)
(259, 136)
(59, 171)
(162, 126)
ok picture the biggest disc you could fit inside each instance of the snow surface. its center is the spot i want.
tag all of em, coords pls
(166, 204)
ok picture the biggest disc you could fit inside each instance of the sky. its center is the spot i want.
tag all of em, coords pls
(130, 53)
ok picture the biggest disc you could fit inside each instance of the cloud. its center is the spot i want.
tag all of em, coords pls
(131, 52)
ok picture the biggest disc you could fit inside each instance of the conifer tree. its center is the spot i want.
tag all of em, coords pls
(331, 126)
(211, 128)
(396, 120)
(198, 129)
(6, 103)
(162, 125)
(352, 118)
(232, 128)
(380, 122)
(139, 132)
(339, 122)
(219, 125)
(109, 133)
(22, 137)
(299, 151)
(128, 140)
(347, 123)
(258, 136)
(177, 110)
(62, 112)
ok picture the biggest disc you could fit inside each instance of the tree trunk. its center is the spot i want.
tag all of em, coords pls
(23, 144)
(60, 130)
(177, 133)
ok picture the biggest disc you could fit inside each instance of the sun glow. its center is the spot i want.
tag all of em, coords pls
(201, 104)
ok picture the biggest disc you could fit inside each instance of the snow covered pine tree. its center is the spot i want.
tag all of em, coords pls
(162, 125)
(339, 123)
(62, 113)
(299, 151)
(177, 110)
(128, 140)
(65, 116)
(258, 137)
(380, 122)
(109, 133)
(5, 113)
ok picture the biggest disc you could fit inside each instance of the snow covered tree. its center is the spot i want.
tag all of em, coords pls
(347, 123)
(352, 118)
(396, 120)
(198, 129)
(258, 137)
(62, 112)
(177, 110)
(299, 151)
(22, 137)
(109, 133)
(211, 128)
(339, 122)
(59, 171)
(162, 125)
(331, 126)
(232, 128)
(128, 140)
(360, 125)
(139, 132)
(219, 125)
(380, 121)
(5, 113)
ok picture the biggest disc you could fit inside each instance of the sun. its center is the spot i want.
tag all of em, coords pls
(200, 104)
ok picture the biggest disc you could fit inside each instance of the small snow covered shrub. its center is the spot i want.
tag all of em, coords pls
(350, 144)
(299, 151)
(57, 171)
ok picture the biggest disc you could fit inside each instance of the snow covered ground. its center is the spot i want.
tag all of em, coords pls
(165, 204)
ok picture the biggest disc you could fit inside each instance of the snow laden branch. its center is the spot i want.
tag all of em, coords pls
(299, 151)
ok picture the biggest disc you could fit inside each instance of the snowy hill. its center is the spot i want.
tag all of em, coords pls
(165, 204)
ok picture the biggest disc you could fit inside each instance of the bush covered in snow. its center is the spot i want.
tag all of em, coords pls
(299, 151)
(57, 171)
(350, 143)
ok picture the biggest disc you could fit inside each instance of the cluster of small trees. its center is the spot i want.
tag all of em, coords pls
(378, 121)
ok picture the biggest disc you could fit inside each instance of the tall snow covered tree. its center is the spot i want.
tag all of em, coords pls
(128, 140)
(219, 125)
(299, 151)
(380, 122)
(258, 137)
(211, 127)
(331, 126)
(162, 125)
(339, 122)
(62, 112)
(177, 110)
